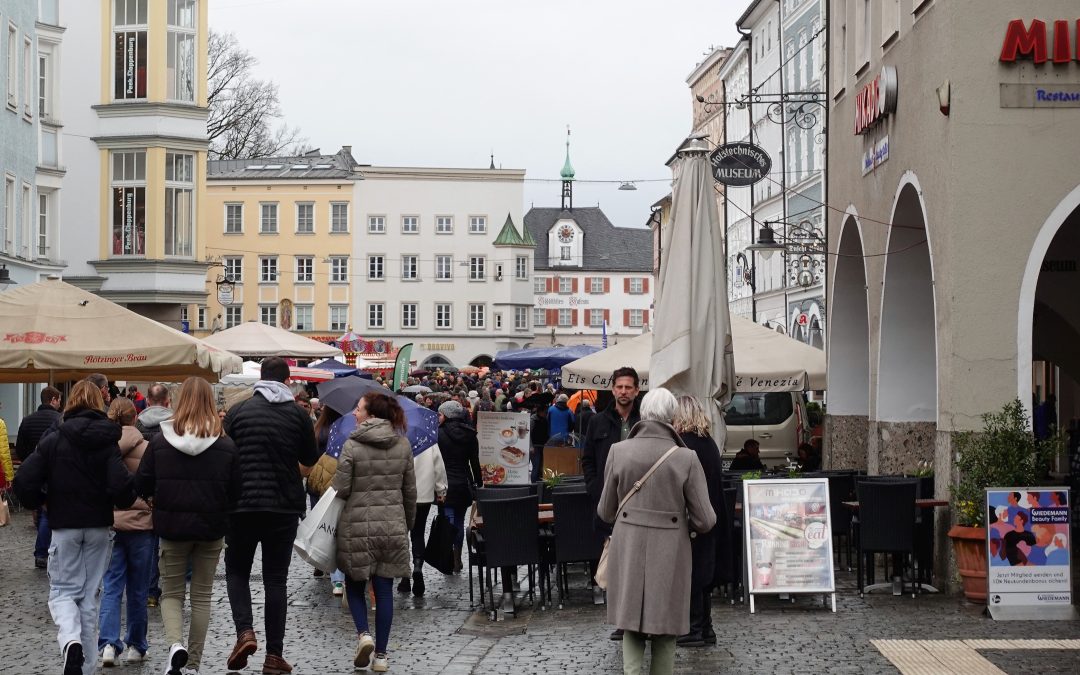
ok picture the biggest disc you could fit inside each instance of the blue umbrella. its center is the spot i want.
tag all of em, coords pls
(423, 428)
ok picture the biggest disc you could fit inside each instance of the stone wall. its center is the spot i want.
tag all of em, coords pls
(845, 441)
(902, 445)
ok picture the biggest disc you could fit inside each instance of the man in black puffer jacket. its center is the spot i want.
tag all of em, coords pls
(33, 426)
(273, 437)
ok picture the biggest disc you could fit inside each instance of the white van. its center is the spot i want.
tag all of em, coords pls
(776, 420)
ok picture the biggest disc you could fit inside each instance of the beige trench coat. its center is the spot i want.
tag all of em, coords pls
(375, 477)
(649, 558)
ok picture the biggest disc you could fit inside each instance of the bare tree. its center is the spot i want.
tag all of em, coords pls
(245, 113)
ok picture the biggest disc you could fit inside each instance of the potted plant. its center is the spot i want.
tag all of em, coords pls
(1005, 454)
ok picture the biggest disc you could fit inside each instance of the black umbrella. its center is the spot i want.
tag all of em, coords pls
(341, 394)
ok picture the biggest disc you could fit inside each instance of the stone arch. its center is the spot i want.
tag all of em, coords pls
(435, 361)
(482, 360)
(849, 320)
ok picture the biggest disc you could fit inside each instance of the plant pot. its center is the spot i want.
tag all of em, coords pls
(969, 544)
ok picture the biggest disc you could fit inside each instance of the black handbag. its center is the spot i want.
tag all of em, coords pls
(439, 551)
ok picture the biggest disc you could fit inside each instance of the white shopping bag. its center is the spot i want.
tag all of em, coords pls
(316, 539)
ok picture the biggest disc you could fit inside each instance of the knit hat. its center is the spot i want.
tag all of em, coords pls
(452, 410)
(562, 398)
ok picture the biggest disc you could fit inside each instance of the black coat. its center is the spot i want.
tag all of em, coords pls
(704, 545)
(32, 428)
(193, 494)
(605, 429)
(461, 456)
(77, 472)
(271, 439)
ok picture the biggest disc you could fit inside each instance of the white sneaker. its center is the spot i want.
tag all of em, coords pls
(339, 588)
(133, 656)
(178, 657)
(108, 656)
(380, 665)
(365, 644)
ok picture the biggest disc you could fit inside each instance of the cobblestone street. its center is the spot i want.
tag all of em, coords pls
(439, 634)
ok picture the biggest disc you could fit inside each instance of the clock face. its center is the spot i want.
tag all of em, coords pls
(566, 234)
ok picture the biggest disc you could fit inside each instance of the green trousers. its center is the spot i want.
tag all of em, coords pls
(174, 566)
(633, 653)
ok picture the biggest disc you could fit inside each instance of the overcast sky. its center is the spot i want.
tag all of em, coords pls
(445, 83)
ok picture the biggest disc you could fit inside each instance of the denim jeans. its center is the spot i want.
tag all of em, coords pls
(384, 608)
(77, 562)
(178, 559)
(129, 569)
(44, 535)
(456, 516)
(275, 532)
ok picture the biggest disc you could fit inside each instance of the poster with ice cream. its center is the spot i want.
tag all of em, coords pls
(504, 447)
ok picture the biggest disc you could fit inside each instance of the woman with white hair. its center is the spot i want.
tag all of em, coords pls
(649, 556)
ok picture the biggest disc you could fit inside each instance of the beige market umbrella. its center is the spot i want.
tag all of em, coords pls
(764, 361)
(53, 331)
(258, 340)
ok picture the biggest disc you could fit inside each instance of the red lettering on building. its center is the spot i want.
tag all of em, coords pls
(1020, 40)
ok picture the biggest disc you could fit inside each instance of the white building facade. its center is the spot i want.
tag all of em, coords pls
(443, 262)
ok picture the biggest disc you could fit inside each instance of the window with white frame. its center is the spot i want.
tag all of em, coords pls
(179, 203)
(521, 318)
(410, 225)
(375, 314)
(408, 315)
(183, 313)
(376, 224)
(268, 314)
(234, 316)
(200, 317)
(28, 77)
(409, 264)
(305, 269)
(564, 253)
(234, 268)
(43, 224)
(305, 218)
(444, 225)
(637, 318)
(477, 315)
(25, 241)
(375, 267)
(129, 202)
(268, 272)
(539, 317)
(268, 218)
(539, 284)
(444, 315)
(596, 285)
(444, 267)
(339, 217)
(339, 269)
(181, 63)
(521, 267)
(596, 318)
(498, 320)
(130, 31)
(44, 82)
(304, 317)
(477, 224)
(13, 67)
(8, 231)
(234, 218)
(566, 284)
(477, 264)
(637, 285)
(339, 317)
(565, 318)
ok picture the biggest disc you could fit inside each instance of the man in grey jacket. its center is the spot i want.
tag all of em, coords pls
(157, 411)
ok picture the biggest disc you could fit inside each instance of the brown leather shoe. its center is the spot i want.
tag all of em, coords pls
(275, 665)
(246, 645)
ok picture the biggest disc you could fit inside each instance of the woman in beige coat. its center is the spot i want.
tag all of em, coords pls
(375, 477)
(649, 555)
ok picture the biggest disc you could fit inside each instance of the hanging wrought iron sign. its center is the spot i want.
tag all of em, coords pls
(739, 164)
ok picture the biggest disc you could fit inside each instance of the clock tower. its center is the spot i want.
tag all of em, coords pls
(567, 175)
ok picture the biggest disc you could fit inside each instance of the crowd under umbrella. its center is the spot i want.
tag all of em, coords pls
(342, 394)
(417, 389)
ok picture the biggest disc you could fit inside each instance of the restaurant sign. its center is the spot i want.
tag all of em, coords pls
(1031, 42)
(739, 164)
(788, 537)
(504, 440)
(876, 100)
(1027, 545)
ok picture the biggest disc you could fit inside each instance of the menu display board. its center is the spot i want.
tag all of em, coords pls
(1027, 545)
(788, 536)
(504, 447)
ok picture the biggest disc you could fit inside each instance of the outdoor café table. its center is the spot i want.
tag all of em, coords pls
(546, 514)
(919, 504)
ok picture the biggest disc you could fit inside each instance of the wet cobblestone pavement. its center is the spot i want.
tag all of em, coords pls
(440, 633)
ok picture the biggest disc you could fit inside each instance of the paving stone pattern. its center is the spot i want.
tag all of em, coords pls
(440, 633)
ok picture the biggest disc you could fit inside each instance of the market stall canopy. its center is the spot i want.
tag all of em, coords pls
(251, 373)
(542, 358)
(764, 361)
(54, 331)
(260, 340)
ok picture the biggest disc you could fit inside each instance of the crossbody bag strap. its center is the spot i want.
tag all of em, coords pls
(641, 482)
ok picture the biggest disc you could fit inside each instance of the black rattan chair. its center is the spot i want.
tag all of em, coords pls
(886, 522)
(575, 538)
(511, 538)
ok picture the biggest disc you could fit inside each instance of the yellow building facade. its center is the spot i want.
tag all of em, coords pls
(280, 229)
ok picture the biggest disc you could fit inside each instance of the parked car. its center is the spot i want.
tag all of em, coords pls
(776, 420)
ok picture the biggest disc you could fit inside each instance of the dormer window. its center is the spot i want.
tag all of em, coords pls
(564, 253)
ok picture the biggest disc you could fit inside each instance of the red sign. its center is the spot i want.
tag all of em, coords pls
(803, 319)
(875, 100)
(34, 338)
(1030, 42)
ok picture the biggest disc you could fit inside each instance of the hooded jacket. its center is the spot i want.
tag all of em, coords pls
(32, 428)
(375, 477)
(461, 458)
(560, 420)
(194, 483)
(149, 421)
(137, 518)
(272, 435)
(430, 475)
(79, 468)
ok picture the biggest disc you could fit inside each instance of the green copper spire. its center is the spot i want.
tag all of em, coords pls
(567, 172)
(508, 235)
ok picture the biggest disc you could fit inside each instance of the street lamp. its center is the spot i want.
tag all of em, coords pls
(5, 279)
